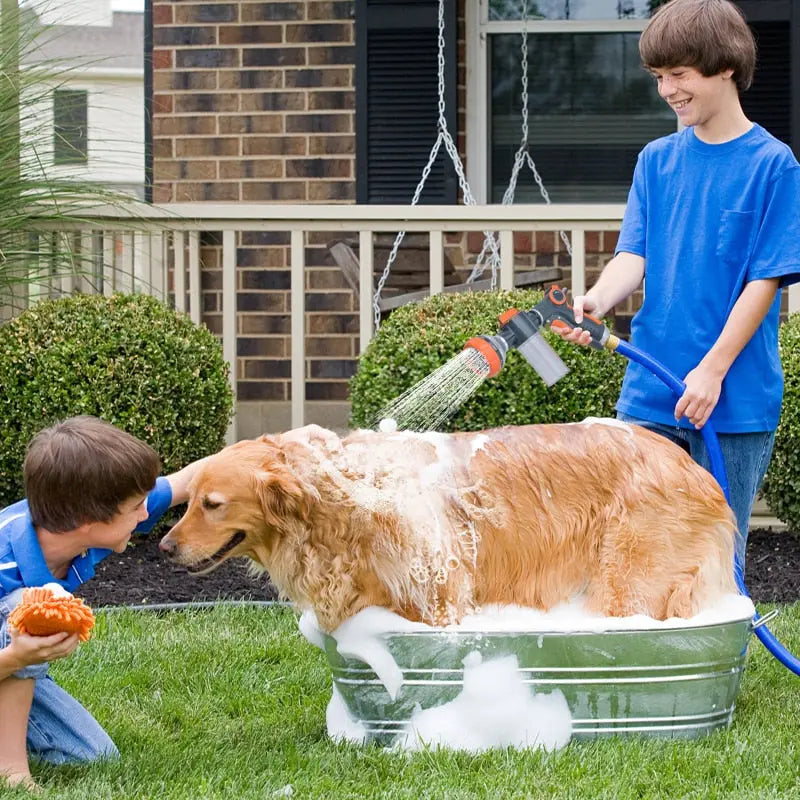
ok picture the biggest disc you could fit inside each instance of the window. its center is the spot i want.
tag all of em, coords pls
(397, 100)
(591, 106)
(70, 140)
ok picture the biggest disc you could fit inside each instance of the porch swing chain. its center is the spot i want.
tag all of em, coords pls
(522, 156)
(444, 137)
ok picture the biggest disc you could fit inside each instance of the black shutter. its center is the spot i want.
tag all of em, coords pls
(768, 100)
(397, 102)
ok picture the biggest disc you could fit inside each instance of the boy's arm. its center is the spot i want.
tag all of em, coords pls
(618, 280)
(704, 382)
(179, 481)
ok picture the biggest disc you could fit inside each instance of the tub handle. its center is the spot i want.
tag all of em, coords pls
(766, 618)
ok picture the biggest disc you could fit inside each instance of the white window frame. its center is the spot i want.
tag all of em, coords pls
(478, 28)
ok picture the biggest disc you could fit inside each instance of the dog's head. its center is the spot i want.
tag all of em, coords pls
(242, 501)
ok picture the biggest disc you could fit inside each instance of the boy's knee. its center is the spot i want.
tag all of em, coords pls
(62, 731)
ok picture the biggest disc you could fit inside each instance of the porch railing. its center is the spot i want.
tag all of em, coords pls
(128, 249)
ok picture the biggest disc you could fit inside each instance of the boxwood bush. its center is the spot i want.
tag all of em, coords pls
(128, 359)
(781, 488)
(417, 339)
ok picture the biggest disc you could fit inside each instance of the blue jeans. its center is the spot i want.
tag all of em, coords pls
(746, 457)
(60, 729)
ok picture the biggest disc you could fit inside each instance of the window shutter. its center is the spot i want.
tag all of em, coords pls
(397, 103)
(768, 100)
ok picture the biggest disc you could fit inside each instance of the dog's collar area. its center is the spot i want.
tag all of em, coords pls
(214, 560)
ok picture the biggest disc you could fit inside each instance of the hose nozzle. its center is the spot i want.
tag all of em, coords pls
(493, 349)
(522, 327)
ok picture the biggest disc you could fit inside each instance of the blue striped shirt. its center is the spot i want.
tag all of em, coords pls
(22, 562)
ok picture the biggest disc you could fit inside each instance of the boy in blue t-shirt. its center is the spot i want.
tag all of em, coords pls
(88, 486)
(712, 226)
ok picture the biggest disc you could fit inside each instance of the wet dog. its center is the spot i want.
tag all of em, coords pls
(432, 526)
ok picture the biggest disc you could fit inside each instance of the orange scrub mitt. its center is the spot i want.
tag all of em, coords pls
(43, 612)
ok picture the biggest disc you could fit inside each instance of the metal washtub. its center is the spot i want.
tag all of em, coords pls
(665, 682)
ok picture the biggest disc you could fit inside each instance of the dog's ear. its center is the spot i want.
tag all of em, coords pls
(283, 495)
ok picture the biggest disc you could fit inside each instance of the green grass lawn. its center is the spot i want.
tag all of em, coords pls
(230, 702)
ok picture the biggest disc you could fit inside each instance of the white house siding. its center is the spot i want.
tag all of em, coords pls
(101, 53)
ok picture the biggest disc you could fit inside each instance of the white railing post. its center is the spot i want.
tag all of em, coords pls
(436, 245)
(64, 248)
(194, 276)
(794, 298)
(506, 259)
(179, 274)
(366, 261)
(141, 264)
(126, 263)
(578, 261)
(89, 282)
(158, 263)
(298, 327)
(229, 326)
(108, 246)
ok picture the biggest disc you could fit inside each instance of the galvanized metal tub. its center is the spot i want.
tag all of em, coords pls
(665, 682)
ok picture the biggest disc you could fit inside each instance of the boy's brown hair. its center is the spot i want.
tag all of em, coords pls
(81, 470)
(709, 35)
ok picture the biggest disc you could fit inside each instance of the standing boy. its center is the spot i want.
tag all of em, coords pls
(88, 486)
(712, 226)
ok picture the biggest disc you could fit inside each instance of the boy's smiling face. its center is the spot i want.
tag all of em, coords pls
(116, 533)
(695, 98)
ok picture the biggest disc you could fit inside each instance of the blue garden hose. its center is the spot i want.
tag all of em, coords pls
(768, 639)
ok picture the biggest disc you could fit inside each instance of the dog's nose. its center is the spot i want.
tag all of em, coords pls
(168, 545)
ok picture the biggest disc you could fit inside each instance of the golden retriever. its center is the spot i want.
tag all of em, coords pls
(432, 526)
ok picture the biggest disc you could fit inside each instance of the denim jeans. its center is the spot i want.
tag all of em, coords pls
(746, 457)
(60, 729)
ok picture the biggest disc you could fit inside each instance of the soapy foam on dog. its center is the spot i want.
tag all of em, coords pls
(420, 478)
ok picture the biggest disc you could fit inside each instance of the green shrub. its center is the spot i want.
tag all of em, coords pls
(781, 488)
(417, 339)
(128, 359)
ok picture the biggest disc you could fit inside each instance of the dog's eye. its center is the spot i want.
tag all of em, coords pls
(210, 504)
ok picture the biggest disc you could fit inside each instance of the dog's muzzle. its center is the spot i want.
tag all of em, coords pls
(213, 561)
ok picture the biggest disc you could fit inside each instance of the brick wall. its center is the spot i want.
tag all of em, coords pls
(254, 102)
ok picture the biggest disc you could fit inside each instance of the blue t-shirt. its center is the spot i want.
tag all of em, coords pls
(709, 218)
(22, 562)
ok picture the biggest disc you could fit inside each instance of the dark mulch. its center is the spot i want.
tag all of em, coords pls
(143, 575)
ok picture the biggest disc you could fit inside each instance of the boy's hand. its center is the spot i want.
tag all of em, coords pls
(703, 388)
(28, 650)
(581, 304)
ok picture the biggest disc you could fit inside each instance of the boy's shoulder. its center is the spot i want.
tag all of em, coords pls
(758, 144)
(15, 525)
(13, 518)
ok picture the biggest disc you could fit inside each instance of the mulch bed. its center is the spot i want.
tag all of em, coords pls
(143, 575)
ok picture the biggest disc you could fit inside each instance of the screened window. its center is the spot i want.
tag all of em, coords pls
(70, 116)
(591, 106)
(573, 9)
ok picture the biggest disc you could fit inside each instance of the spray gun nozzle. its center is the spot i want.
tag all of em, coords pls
(492, 350)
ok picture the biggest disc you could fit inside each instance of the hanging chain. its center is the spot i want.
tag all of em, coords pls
(522, 156)
(444, 137)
